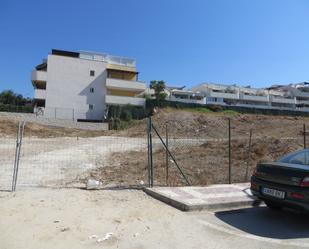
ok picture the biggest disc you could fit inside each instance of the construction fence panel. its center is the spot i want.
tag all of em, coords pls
(268, 142)
(69, 160)
(7, 156)
(201, 152)
(223, 149)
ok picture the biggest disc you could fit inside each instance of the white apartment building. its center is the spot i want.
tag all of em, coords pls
(179, 94)
(284, 97)
(82, 85)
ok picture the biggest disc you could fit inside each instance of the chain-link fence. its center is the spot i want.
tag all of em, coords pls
(220, 150)
(66, 159)
(7, 159)
(200, 152)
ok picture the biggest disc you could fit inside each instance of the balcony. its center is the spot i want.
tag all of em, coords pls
(282, 100)
(302, 102)
(121, 100)
(224, 95)
(39, 76)
(255, 98)
(128, 85)
(195, 101)
(39, 94)
(115, 60)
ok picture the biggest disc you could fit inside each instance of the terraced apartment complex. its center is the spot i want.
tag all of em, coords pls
(284, 97)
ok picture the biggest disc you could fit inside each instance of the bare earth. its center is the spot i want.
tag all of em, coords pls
(52, 156)
(80, 219)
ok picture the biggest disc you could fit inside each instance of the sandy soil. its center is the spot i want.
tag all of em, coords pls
(71, 218)
(60, 161)
(80, 219)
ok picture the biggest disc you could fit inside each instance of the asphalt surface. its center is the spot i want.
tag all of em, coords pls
(260, 227)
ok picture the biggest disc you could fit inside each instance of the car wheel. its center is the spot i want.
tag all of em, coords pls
(272, 205)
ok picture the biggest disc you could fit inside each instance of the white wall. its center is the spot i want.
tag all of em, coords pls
(68, 87)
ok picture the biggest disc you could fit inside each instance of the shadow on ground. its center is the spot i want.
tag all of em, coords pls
(261, 221)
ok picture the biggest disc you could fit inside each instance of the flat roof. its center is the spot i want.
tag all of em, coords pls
(97, 56)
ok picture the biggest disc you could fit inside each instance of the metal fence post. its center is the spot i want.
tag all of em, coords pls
(148, 153)
(304, 132)
(229, 147)
(20, 134)
(149, 150)
(171, 155)
(248, 154)
(166, 152)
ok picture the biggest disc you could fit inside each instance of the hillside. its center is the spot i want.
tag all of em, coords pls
(199, 142)
(196, 123)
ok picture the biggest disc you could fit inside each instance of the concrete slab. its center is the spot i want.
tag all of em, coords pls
(222, 196)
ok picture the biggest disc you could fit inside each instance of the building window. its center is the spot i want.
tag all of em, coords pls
(91, 107)
(92, 72)
(91, 89)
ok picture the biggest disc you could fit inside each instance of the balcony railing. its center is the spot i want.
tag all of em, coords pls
(255, 98)
(195, 101)
(116, 60)
(303, 102)
(122, 100)
(129, 85)
(39, 94)
(39, 75)
(224, 95)
(282, 100)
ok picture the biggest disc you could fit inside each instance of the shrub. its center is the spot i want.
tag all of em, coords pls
(120, 117)
(15, 108)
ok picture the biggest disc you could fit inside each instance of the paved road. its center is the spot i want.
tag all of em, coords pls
(259, 227)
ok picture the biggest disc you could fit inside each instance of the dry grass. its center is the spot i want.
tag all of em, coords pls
(203, 164)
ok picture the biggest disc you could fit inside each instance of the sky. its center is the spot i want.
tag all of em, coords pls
(183, 42)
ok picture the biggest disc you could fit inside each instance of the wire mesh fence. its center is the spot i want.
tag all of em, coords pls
(67, 160)
(7, 155)
(203, 151)
(199, 152)
(209, 155)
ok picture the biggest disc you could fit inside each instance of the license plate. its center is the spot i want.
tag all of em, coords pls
(274, 193)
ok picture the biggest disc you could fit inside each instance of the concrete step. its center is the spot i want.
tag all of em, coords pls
(222, 196)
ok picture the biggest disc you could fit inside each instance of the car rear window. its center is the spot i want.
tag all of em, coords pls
(300, 157)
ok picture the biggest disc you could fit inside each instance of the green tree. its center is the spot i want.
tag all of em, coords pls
(158, 86)
(8, 97)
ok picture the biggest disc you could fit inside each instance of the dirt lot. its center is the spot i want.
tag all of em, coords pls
(206, 162)
(203, 164)
(63, 157)
(78, 219)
